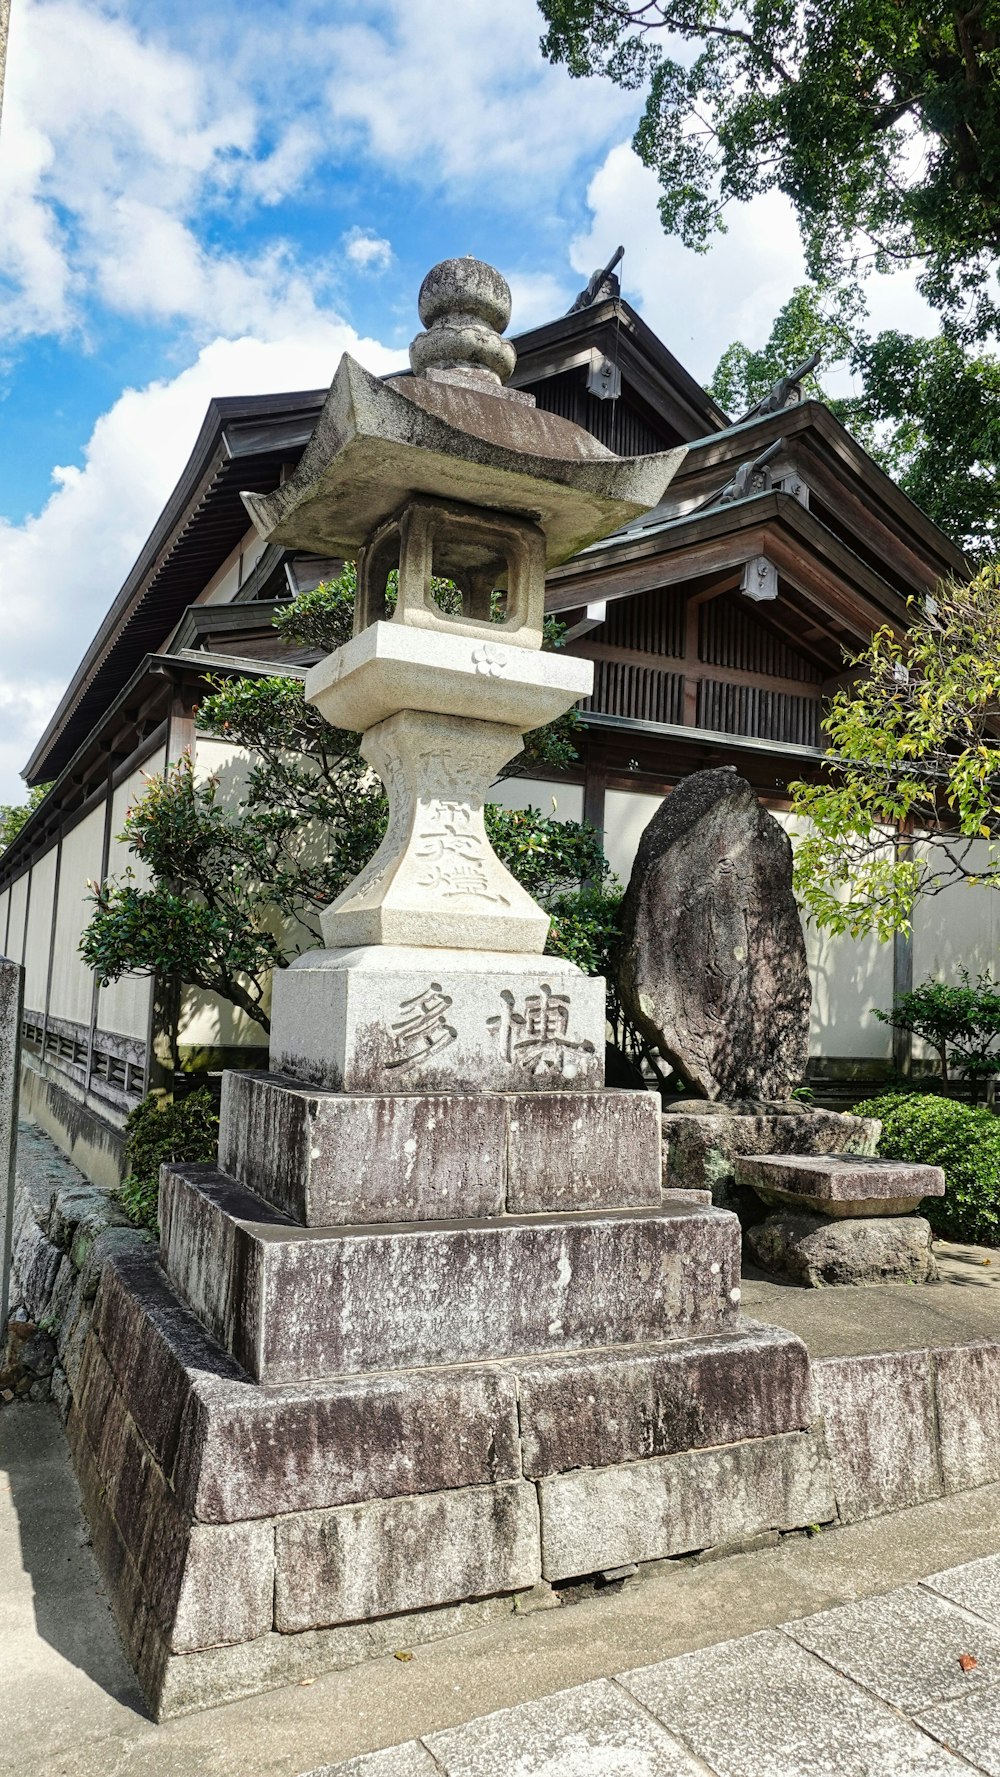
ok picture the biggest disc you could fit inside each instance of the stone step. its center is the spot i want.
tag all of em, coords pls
(840, 1185)
(296, 1304)
(326, 1157)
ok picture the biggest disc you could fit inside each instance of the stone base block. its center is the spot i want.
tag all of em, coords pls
(387, 1019)
(328, 1158)
(702, 1141)
(839, 1185)
(815, 1250)
(674, 1505)
(597, 1408)
(293, 1304)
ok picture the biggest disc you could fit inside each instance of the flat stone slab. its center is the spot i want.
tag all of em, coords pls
(294, 1304)
(595, 1519)
(840, 1184)
(818, 1250)
(764, 1707)
(702, 1141)
(595, 1730)
(327, 1157)
(905, 1646)
(975, 1587)
(411, 1760)
(387, 1019)
(970, 1727)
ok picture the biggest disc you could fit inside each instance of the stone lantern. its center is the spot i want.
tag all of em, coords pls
(445, 474)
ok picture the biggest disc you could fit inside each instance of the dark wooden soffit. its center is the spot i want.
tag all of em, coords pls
(122, 736)
(833, 464)
(648, 368)
(814, 566)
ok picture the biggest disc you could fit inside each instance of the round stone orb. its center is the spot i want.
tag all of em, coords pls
(466, 287)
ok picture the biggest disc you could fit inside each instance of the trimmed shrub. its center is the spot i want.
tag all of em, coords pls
(156, 1134)
(964, 1139)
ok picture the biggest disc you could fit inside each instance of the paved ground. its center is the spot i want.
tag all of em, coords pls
(69, 1708)
(881, 1688)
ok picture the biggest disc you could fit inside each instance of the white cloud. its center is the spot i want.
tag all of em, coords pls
(61, 568)
(538, 297)
(366, 251)
(699, 303)
(460, 97)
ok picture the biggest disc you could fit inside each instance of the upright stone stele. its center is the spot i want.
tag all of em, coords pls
(430, 1335)
(11, 995)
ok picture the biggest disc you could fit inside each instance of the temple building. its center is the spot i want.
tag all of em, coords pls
(718, 625)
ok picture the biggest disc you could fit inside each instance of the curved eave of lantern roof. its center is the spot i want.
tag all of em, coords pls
(378, 444)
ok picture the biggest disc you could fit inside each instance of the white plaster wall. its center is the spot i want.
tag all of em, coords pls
(18, 903)
(627, 814)
(36, 954)
(227, 580)
(959, 928)
(564, 801)
(72, 981)
(4, 911)
(124, 1007)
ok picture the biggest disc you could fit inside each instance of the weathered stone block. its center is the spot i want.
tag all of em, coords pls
(672, 1505)
(232, 1451)
(701, 1142)
(202, 1585)
(391, 1019)
(713, 958)
(294, 1304)
(878, 1412)
(967, 1386)
(816, 1250)
(597, 1408)
(326, 1157)
(396, 1555)
(583, 1150)
(840, 1185)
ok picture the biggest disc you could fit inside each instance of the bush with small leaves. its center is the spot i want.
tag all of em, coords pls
(929, 1130)
(157, 1134)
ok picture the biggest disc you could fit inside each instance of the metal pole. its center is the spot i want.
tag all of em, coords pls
(11, 1008)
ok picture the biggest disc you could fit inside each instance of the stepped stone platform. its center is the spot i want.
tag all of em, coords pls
(296, 1437)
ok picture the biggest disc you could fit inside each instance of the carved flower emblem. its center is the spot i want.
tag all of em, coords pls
(490, 660)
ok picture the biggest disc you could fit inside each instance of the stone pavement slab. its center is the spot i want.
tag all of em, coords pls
(764, 1707)
(975, 1586)
(970, 1727)
(412, 1760)
(595, 1730)
(906, 1646)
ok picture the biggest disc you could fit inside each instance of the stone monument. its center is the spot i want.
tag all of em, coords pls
(714, 972)
(431, 1340)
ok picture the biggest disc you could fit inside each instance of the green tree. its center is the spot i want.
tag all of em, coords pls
(927, 410)
(878, 119)
(230, 889)
(15, 815)
(912, 802)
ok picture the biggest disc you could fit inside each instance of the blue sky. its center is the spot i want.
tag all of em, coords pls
(221, 196)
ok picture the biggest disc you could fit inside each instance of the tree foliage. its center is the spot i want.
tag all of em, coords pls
(960, 1022)
(238, 866)
(927, 410)
(878, 119)
(912, 804)
(14, 815)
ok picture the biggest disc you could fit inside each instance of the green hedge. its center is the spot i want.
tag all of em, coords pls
(155, 1134)
(933, 1131)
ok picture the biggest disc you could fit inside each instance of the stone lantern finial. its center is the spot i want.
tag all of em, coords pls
(464, 305)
